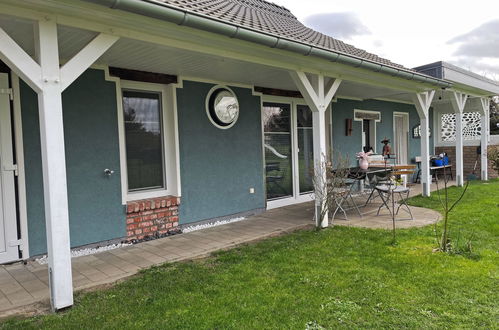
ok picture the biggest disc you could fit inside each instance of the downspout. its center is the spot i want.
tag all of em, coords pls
(163, 12)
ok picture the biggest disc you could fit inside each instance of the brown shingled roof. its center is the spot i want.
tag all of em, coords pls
(271, 19)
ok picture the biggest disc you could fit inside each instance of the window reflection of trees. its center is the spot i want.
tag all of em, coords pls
(143, 140)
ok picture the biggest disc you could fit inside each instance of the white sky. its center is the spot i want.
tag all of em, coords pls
(414, 33)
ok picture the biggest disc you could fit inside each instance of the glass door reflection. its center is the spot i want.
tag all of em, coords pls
(305, 148)
(278, 150)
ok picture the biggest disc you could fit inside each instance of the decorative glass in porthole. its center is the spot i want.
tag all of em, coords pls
(222, 107)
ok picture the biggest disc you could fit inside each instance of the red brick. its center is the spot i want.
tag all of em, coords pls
(155, 215)
(145, 224)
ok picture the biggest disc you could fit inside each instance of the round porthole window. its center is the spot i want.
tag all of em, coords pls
(222, 107)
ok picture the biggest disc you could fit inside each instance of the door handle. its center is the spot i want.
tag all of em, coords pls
(12, 167)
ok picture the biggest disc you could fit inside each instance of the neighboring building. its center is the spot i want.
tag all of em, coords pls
(168, 113)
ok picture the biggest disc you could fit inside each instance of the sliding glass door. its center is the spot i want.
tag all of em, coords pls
(288, 145)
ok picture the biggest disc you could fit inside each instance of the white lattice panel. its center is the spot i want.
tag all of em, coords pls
(471, 126)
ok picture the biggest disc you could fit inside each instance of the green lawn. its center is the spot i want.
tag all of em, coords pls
(335, 278)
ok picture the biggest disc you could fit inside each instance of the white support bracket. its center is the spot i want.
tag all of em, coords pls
(458, 101)
(318, 95)
(484, 137)
(422, 102)
(85, 58)
(49, 80)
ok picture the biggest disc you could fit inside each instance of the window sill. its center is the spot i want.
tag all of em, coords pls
(136, 196)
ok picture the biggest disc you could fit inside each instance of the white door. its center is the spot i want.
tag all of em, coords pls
(8, 224)
(401, 137)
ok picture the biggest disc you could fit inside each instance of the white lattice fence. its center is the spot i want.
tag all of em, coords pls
(471, 126)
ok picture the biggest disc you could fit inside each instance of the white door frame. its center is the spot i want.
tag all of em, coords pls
(21, 174)
(373, 132)
(405, 115)
(9, 250)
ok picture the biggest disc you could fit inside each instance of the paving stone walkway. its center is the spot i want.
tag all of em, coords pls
(23, 285)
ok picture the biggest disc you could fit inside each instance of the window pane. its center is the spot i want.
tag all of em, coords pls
(144, 147)
(305, 148)
(277, 143)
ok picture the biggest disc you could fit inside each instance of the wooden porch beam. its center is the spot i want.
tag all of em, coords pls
(318, 96)
(484, 138)
(422, 102)
(458, 101)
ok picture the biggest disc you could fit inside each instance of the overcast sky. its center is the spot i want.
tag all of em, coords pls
(411, 33)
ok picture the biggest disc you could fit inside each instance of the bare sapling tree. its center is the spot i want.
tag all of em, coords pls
(329, 183)
(444, 243)
(493, 157)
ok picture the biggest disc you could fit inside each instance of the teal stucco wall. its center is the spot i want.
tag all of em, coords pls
(350, 145)
(92, 145)
(218, 166)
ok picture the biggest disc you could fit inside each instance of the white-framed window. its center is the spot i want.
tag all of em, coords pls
(148, 140)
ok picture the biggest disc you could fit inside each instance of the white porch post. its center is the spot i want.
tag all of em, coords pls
(49, 80)
(484, 138)
(318, 97)
(54, 168)
(458, 101)
(422, 101)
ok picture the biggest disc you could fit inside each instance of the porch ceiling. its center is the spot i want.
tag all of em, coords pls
(145, 56)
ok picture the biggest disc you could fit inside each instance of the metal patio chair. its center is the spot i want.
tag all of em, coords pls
(344, 200)
(387, 192)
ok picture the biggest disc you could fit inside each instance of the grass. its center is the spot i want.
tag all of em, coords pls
(335, 278)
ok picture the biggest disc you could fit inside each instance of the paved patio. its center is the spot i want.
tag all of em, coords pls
(24, 287)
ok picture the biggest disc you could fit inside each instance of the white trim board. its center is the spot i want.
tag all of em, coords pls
(303, 198)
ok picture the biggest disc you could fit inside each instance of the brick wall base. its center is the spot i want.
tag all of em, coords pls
(155, 217)
(469, 158)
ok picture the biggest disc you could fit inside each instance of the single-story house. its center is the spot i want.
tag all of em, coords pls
(125, 119)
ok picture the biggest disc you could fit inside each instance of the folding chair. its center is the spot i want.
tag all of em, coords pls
(388, 192)
(344, 199)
